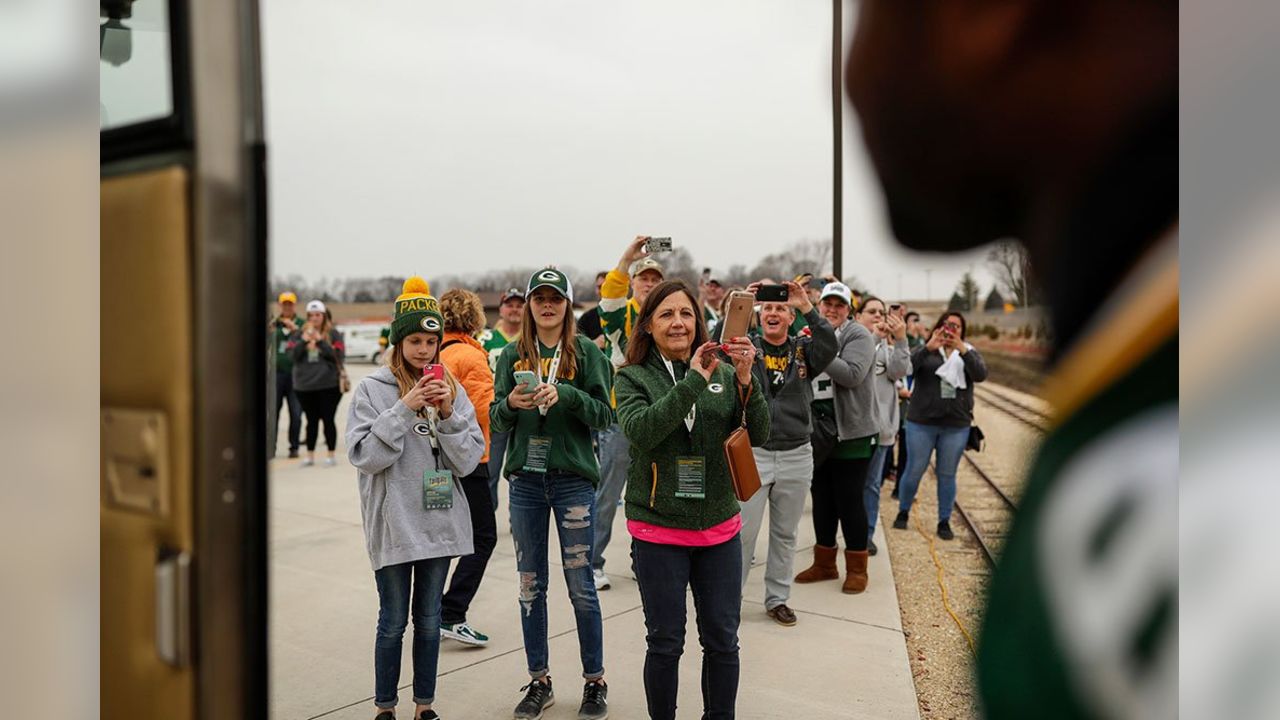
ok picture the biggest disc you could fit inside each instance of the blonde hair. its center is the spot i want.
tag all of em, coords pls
(407, 378)
(462, 311)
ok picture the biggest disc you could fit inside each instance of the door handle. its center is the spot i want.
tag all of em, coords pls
(173, 608)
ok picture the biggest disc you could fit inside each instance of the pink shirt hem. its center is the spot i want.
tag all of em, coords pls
(685, 538)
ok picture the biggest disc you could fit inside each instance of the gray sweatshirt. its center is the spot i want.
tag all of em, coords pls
(851, 372)
(318, 370)
(386, 441)
(790, 423)
(892, 363)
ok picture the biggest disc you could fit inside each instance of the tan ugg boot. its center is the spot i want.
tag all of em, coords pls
(823, 567)
(855, 563)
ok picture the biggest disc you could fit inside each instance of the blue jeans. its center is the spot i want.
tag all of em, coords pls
(875, 477)
(497, 455)
(922, 440)
(426, 578)
(615, 455)
(568, 499)
(666, 573)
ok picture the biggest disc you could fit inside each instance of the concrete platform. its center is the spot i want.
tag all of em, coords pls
(845, 658)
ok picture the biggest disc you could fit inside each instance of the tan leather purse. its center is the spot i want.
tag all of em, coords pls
(738, 455)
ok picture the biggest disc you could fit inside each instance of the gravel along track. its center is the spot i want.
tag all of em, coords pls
(942, 585)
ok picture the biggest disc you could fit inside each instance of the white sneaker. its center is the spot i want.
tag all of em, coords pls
(330, 462)
(306, 462)
(464, 634)
(602, 580)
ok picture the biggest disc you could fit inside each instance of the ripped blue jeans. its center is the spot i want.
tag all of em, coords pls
(569, 501)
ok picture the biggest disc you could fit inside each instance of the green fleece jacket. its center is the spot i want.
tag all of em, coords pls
(652, 411)
(583, 406)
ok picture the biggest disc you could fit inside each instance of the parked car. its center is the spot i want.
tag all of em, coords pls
(362, 341)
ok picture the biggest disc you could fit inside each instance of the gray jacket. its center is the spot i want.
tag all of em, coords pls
(386, 441)
(892, 363)
(851, 372)
(318, 372)
(790, 423)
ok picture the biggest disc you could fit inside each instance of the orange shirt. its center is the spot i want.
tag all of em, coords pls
(469, 363)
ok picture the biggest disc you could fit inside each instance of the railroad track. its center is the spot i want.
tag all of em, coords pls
(997, 502)
(1011, 406)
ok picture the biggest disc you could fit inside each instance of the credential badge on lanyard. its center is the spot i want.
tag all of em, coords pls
(552, 372)
(693, 411)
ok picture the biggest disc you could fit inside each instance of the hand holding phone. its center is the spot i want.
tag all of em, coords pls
(433, 371)
(772, 293)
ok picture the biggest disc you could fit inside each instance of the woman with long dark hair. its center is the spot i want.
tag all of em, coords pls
(941, 412)
(677, 404)
(553, 473)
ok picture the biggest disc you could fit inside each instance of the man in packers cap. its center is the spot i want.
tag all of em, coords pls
(282, 326)
(640, 273)
(494, 339)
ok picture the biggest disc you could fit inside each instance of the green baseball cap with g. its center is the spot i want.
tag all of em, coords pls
(415, 311)
(552, 278)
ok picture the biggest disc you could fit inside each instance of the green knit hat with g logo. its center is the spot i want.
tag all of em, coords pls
(416, 311)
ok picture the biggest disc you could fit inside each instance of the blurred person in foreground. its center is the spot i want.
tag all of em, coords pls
(678, 403)
(410, 436)
(1057, 124)
(785, 461)
(638, 272)
(284, 325)
(494, 340)
(465, 359)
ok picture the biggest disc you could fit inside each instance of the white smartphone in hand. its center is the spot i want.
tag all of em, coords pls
(528, 379)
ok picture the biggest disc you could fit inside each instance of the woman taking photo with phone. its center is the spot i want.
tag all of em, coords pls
(317, 353)
(551, 389)
(412, 434)
(677, 404)
(941, 412)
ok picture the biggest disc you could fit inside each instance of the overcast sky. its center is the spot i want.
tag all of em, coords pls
(457, 136)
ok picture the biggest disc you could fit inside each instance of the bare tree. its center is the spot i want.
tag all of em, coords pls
(1011, 264)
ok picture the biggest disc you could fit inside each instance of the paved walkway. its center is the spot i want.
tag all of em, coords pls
(845, 658)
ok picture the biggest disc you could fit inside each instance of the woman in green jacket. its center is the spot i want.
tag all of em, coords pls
(677, 404)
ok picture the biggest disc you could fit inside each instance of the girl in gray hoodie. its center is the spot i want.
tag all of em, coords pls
(411, 436)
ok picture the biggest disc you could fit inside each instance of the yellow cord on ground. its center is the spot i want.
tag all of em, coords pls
(946, 602)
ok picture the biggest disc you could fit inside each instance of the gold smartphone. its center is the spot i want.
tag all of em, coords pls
(737, 319)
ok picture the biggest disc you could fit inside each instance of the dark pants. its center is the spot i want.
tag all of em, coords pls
(497, 454)
(320, 407)
(838, 487)
(484, 533)
(665, 574)
(285, 393)
(900, 468)
(426, 578)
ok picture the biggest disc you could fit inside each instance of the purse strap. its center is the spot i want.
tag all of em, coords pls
(744, 399)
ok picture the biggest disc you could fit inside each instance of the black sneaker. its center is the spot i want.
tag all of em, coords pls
(871, 547)
(428, 715)
(894, 494)
(538, 698)
(944, 530)
(293, 454)
(900, 522)
(386, 715)
(594, 706)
